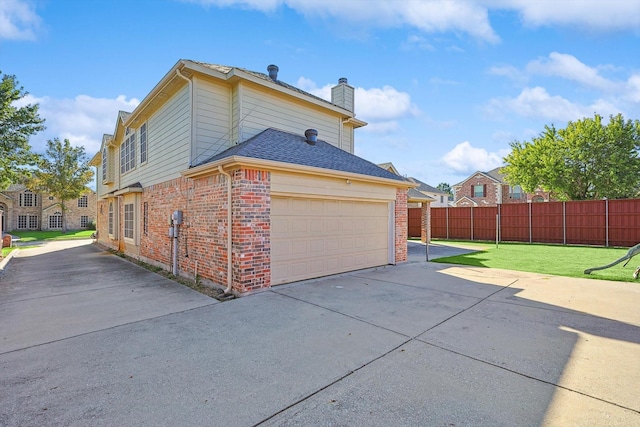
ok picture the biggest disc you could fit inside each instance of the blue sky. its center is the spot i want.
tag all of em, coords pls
(445, 85)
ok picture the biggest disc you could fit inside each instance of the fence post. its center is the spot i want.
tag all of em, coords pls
(472, 223)
(447, 215)
(530, 226)
(499, 221)
(564, 223)
(606, 221)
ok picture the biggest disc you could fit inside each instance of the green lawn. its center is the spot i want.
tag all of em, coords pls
(569, 261)
(32, 236)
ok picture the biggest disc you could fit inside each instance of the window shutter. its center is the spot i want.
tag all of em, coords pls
(484, 190)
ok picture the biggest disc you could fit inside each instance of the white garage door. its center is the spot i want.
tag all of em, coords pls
(316, 237)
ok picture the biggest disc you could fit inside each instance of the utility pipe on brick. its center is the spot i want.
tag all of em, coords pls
(229, 275)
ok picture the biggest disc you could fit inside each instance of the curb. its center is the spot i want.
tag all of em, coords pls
(4, 261)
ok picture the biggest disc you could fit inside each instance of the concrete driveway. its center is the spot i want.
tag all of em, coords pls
(88, 339)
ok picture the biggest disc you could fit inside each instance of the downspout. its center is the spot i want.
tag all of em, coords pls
(190, 115)
(229, 275)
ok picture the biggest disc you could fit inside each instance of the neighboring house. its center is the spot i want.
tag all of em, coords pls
(490, 189)
(422, 197)
(239, 179)
(22, 209)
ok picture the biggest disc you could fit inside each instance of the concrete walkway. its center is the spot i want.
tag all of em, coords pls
(88, 339)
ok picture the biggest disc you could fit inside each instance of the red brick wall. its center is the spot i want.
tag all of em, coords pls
(162, 200)
(401, 225)
(425, 228)
(251, 230)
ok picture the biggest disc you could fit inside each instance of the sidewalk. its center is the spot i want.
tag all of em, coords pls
(90, 339)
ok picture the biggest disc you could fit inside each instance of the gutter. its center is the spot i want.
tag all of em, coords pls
(227, 291)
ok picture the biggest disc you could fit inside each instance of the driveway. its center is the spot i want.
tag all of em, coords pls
(88, 339)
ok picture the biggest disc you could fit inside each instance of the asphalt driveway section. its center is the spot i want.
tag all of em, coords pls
(415, 344)
(64, 289)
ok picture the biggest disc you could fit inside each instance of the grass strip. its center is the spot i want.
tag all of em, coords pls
(558, 260)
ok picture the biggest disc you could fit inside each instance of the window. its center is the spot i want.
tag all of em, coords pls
(145, 218)
(55, 220)
(84, 220)
(128, 152)
(479, 190)
(27, 222)
(441, 199)
(111, 218)
(143, 143)
(104, 164)
(515, 192)
(83, 202)
(28, 199)
(128, 220)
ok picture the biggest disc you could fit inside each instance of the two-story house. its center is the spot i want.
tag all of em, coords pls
(491, 189)
(239, 179)
(22, 209)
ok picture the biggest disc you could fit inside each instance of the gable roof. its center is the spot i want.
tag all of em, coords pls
(280, 146)
(425, 187)
(493, 174)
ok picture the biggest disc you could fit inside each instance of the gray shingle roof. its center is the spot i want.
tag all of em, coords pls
(224, 69)
(280, 146)
(425, 187)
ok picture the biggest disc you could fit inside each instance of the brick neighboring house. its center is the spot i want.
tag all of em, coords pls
(490, 189)
(22, 209)
(244, 181)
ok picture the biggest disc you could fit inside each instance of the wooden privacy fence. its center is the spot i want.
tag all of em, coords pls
(592, 222)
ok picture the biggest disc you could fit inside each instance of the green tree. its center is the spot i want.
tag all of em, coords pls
(16, 126)
(63, 172)
(446, 188)
(586, 160)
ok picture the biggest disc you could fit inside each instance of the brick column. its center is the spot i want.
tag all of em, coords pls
(425, 223)
(251, 230)
(402, 230)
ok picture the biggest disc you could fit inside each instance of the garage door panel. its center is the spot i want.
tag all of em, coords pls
(316, 237)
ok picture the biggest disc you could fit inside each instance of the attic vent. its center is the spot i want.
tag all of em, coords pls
(273, 72)
(311, 135)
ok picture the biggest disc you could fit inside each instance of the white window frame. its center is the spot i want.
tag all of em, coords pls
(33, 222)
(31, 201)
(143, 144)
(83, 202)
(84, 220)
(105, 164)
(56, 220)
(112, 219)
(128, 152)
(129, 220)
(23, 222)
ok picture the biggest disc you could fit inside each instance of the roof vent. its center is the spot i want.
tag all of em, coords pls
(311, 135)
(342, 80)
(273, 72)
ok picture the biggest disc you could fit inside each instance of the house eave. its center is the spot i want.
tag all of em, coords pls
(212, 168)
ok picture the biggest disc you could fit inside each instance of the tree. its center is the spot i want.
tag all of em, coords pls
(446, 188)
(64, 173)
(16, 126)
(586, 160)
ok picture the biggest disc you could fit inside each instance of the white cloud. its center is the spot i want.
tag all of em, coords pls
(633, 88)
(381, 108)
(464, 158)
(610, 15)
(570, 68)
(82, 120)
(432, 16)
(18, 20)
(537, 103)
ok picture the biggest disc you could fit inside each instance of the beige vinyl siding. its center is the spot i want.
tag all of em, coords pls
(259, 111)
(347, 138)
(212, 119)
(168, 140)
(286, 184)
